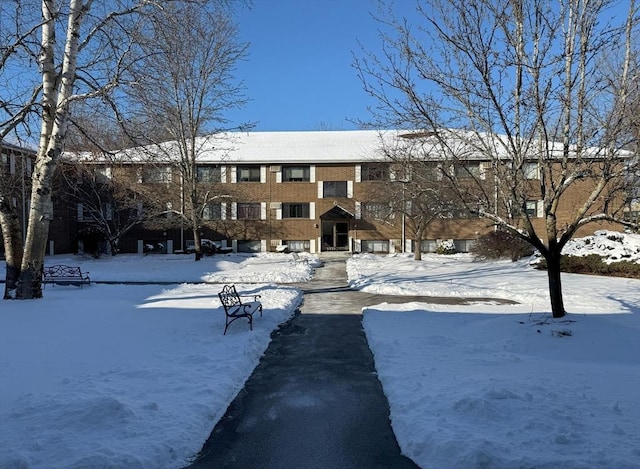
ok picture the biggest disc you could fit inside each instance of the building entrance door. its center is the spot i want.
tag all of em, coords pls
(335, 236)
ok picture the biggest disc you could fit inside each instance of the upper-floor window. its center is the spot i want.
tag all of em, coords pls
(156, 174)
(377, 211)
(295, 210)
(533, 208)
(249, 211)
(248, 173)
(469, 170)
(375, 172)
(207, 173)
(334, 189)
(531, 171)
(296, 173)
(212, 212)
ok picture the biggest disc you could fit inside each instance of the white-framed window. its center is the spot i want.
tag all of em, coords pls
(156, 174)
(337, 189)
(212, 211)
(248, 211)
(531, 171)
(374, 172)
(296, 173)
(208, 173)
(375, 245)
(298, 245)
(376, 211)
(248, 173)
(295, 210)
(535, 208)
(467, 170)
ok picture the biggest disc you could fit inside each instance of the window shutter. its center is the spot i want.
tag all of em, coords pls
(80, 212)
(349, 189)
(358, 173)
(279, 176)
(320, 191)
(223, 174)
(540, 207)
(312, 173)
(263, 209)
(234, 210)
(358, 210)
(263, 174)
(312, 210)
(223, 211)
(12, 164)
(234, 174)
(484, 168)
(29, 167)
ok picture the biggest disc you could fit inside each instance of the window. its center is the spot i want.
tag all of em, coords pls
(298, 246)
(428, 245)
(107, 211)
(208, 173)
(375, 172)
(248, 174)
(250, 211)
(531, 171)
(296, 174)
(377, 211)
(295, 210)
(249, 245)
(374, 246)
(532, 208)
(157, 174)
(212, 212)
(334, 189)
(463, 245)
(471, 170)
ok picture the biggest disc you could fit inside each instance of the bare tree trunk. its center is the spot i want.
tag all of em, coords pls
(13, 248)
(54, 125)
(555, 284)
(417, 251)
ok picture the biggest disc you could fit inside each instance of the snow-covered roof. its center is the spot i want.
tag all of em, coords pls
(344, 146)
(270, 147)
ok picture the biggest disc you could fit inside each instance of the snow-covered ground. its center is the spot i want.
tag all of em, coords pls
(137, 376)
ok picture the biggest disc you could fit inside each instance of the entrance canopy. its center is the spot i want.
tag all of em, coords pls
(337, 213)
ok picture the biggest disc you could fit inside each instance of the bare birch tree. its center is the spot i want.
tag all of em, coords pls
(533, 89)
(56, 53)
(185, 82)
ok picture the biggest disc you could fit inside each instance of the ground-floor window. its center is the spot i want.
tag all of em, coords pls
(463, 245)
(428, 245)
(249, 245)
(377, 245)
(298, 245)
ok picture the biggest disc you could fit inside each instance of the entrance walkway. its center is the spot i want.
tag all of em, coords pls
(314, 400)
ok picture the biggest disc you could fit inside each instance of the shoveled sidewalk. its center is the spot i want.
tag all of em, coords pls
(314, 401)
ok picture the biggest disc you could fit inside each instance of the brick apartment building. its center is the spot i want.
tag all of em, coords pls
(306, 191)
(16, 165)
(300, 191)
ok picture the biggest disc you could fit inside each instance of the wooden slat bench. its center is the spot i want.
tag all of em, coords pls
(65, 275)
(235, 308)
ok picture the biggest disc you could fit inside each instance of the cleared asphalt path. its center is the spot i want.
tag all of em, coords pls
(314, 400)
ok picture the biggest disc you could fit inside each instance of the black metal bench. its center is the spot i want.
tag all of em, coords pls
(235, 308)
(65, 275)
(296, 259)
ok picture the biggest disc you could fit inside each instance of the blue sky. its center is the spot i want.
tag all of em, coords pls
(298, 73)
